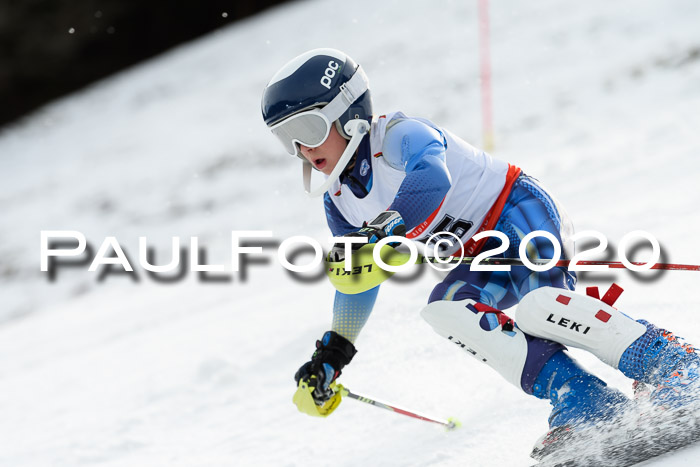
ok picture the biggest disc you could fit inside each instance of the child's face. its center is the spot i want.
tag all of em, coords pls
(325, 157)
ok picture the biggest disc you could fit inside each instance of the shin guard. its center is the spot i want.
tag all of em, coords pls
(491, 337)
(578, 321)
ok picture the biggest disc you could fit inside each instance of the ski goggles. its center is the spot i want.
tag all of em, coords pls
(311, 127)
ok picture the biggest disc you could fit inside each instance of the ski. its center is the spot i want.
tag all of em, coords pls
(621, 443)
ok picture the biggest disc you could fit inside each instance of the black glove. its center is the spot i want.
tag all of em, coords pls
(386, 224)
(332, 353)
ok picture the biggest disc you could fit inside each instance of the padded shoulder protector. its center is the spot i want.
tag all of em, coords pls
(406, 138)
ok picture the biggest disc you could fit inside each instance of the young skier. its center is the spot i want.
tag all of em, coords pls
(397, 175)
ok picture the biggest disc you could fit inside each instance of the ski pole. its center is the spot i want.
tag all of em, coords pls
(560, 263)
(449, 424)
(365, 273)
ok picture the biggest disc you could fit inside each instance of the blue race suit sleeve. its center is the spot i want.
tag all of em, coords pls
(419, 149)
(350, 312)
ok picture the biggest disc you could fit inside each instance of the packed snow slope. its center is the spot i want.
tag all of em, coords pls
(599, 100)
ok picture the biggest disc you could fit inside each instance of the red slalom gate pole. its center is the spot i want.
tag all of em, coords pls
(619, 265)
(560, 263)
(485, 67)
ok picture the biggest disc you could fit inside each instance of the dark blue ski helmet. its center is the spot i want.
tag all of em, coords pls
(312, 80)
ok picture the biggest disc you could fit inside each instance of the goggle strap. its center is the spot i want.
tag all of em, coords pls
(350, 91)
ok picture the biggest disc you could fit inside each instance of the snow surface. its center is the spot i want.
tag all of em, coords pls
(599, 100)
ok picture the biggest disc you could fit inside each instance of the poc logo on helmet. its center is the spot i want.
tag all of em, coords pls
(328, 74)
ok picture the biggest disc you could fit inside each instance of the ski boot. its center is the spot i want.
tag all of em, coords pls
(663, 360)
(580, 402)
